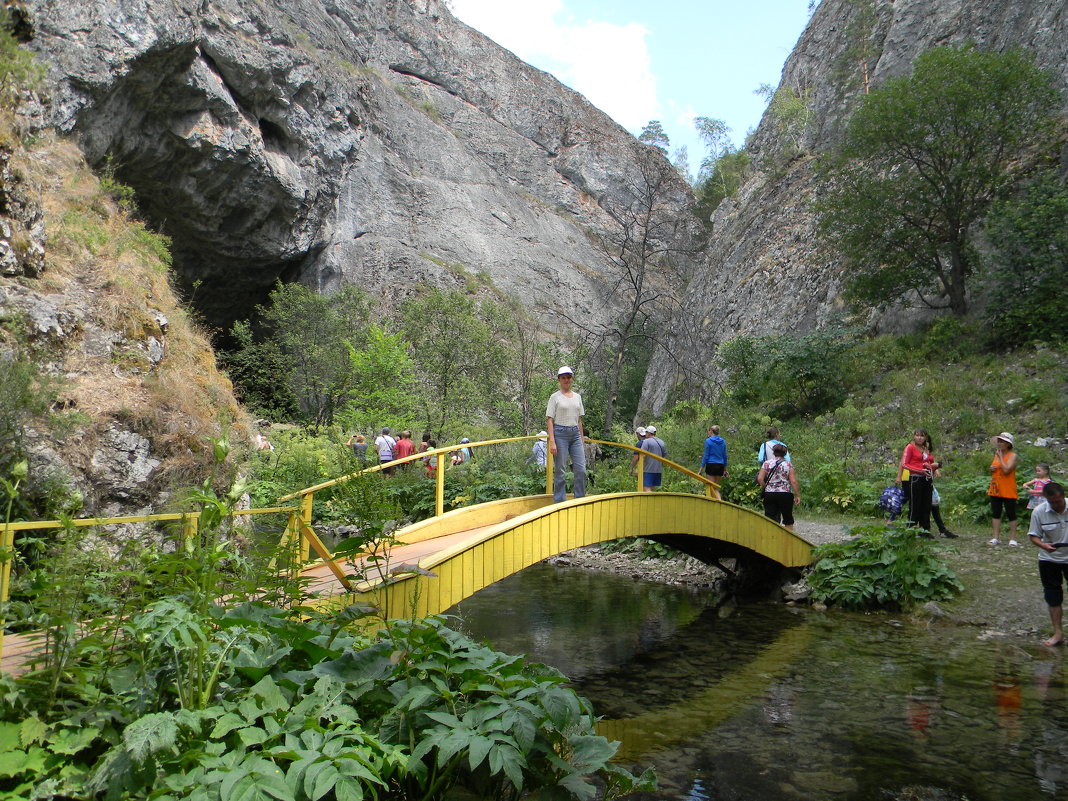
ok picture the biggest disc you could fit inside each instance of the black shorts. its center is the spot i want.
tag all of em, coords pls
(1053, 574)
(713, 469)
(779, 506)
(996, 505)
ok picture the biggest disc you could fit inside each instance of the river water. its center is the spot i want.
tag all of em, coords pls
(764, 702)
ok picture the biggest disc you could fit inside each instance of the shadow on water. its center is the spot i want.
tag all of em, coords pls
(766, 702)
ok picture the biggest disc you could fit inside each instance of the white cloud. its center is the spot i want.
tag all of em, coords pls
(606, 62)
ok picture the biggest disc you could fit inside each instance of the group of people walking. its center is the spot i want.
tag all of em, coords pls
(389, 449)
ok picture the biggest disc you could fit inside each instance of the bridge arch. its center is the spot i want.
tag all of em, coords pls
(500, 538)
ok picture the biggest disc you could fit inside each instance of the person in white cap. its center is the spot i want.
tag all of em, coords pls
(1003, 489)
(640, 433)
(653, 471)
(564, 428)
(537, 453)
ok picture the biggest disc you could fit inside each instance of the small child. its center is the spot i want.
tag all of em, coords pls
(1035, 485)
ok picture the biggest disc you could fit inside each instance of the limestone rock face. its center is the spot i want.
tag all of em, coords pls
(764, 273)
(375, 142)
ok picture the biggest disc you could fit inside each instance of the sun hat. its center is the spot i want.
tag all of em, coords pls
(1005, 435)
(650, 429)
(543, 433)
(565, 370)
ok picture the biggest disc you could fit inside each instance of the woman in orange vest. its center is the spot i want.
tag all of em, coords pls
(1003, 490)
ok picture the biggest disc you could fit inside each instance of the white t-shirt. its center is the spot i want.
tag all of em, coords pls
(385, 444)
(1050, 526)
(563, 410)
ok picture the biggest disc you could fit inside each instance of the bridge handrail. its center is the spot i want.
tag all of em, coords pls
(453, 448)
(415, 457)
(684, 470)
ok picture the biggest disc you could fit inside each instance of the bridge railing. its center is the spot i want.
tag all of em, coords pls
(309, 540)
(298, 527)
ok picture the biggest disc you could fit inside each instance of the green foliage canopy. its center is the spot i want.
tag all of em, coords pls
(458, 343)
(320, 355)
(923, 158)
(788, 375)
(1028, 294)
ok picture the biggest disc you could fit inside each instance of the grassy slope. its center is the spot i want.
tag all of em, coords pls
(105, 265)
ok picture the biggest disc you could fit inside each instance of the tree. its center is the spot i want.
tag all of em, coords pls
(1028, 293)
(789, 375)
(722, 170)
(382, 380)
(652, 230)
(457, 346)
(680, 160)
(317, 355)
(653, 134)
(716, 136)
(790, 110)
(923, 158)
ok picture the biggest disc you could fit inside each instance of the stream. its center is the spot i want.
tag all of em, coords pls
(773, 703)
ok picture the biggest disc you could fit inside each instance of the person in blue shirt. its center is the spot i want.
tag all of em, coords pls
(772, 439)
(714, 462)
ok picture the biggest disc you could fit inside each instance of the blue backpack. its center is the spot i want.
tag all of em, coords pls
(892, 499)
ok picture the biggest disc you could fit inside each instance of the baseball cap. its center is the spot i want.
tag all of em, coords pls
(650, 429)
(565, 370)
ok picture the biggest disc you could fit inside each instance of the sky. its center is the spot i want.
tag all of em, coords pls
(638, 60)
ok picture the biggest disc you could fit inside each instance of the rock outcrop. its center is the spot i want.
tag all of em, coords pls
(121, 388)
(379, 143)
(764, 272)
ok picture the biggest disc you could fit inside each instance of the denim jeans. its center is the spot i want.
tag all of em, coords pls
(568, 441)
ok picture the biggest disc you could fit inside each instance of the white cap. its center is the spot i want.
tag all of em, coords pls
(640, 431)
(565, 370)
(650, 430)
(543, 433)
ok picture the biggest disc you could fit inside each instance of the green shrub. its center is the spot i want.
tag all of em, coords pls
(883, 567)
(193, 685)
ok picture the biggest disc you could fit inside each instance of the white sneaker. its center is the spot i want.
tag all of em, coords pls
(994, 542)
(1013, 542)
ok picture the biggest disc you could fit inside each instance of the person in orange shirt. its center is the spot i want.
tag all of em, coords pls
(405, 447)
(1002, 489)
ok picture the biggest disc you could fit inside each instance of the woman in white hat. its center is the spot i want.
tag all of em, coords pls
(564, 427)
(1003, 489)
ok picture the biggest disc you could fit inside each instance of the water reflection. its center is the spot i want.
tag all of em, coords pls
(764, 702)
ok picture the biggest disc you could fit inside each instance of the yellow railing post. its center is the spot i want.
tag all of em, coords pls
(305, 520)
(190, 527)
(548, 470)
(439, 485)
(7, 548)
(641, 472)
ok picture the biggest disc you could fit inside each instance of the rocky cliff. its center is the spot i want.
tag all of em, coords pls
(375, 142)
(764, 273)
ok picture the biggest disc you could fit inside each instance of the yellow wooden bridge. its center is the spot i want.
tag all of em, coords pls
(428, 567)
